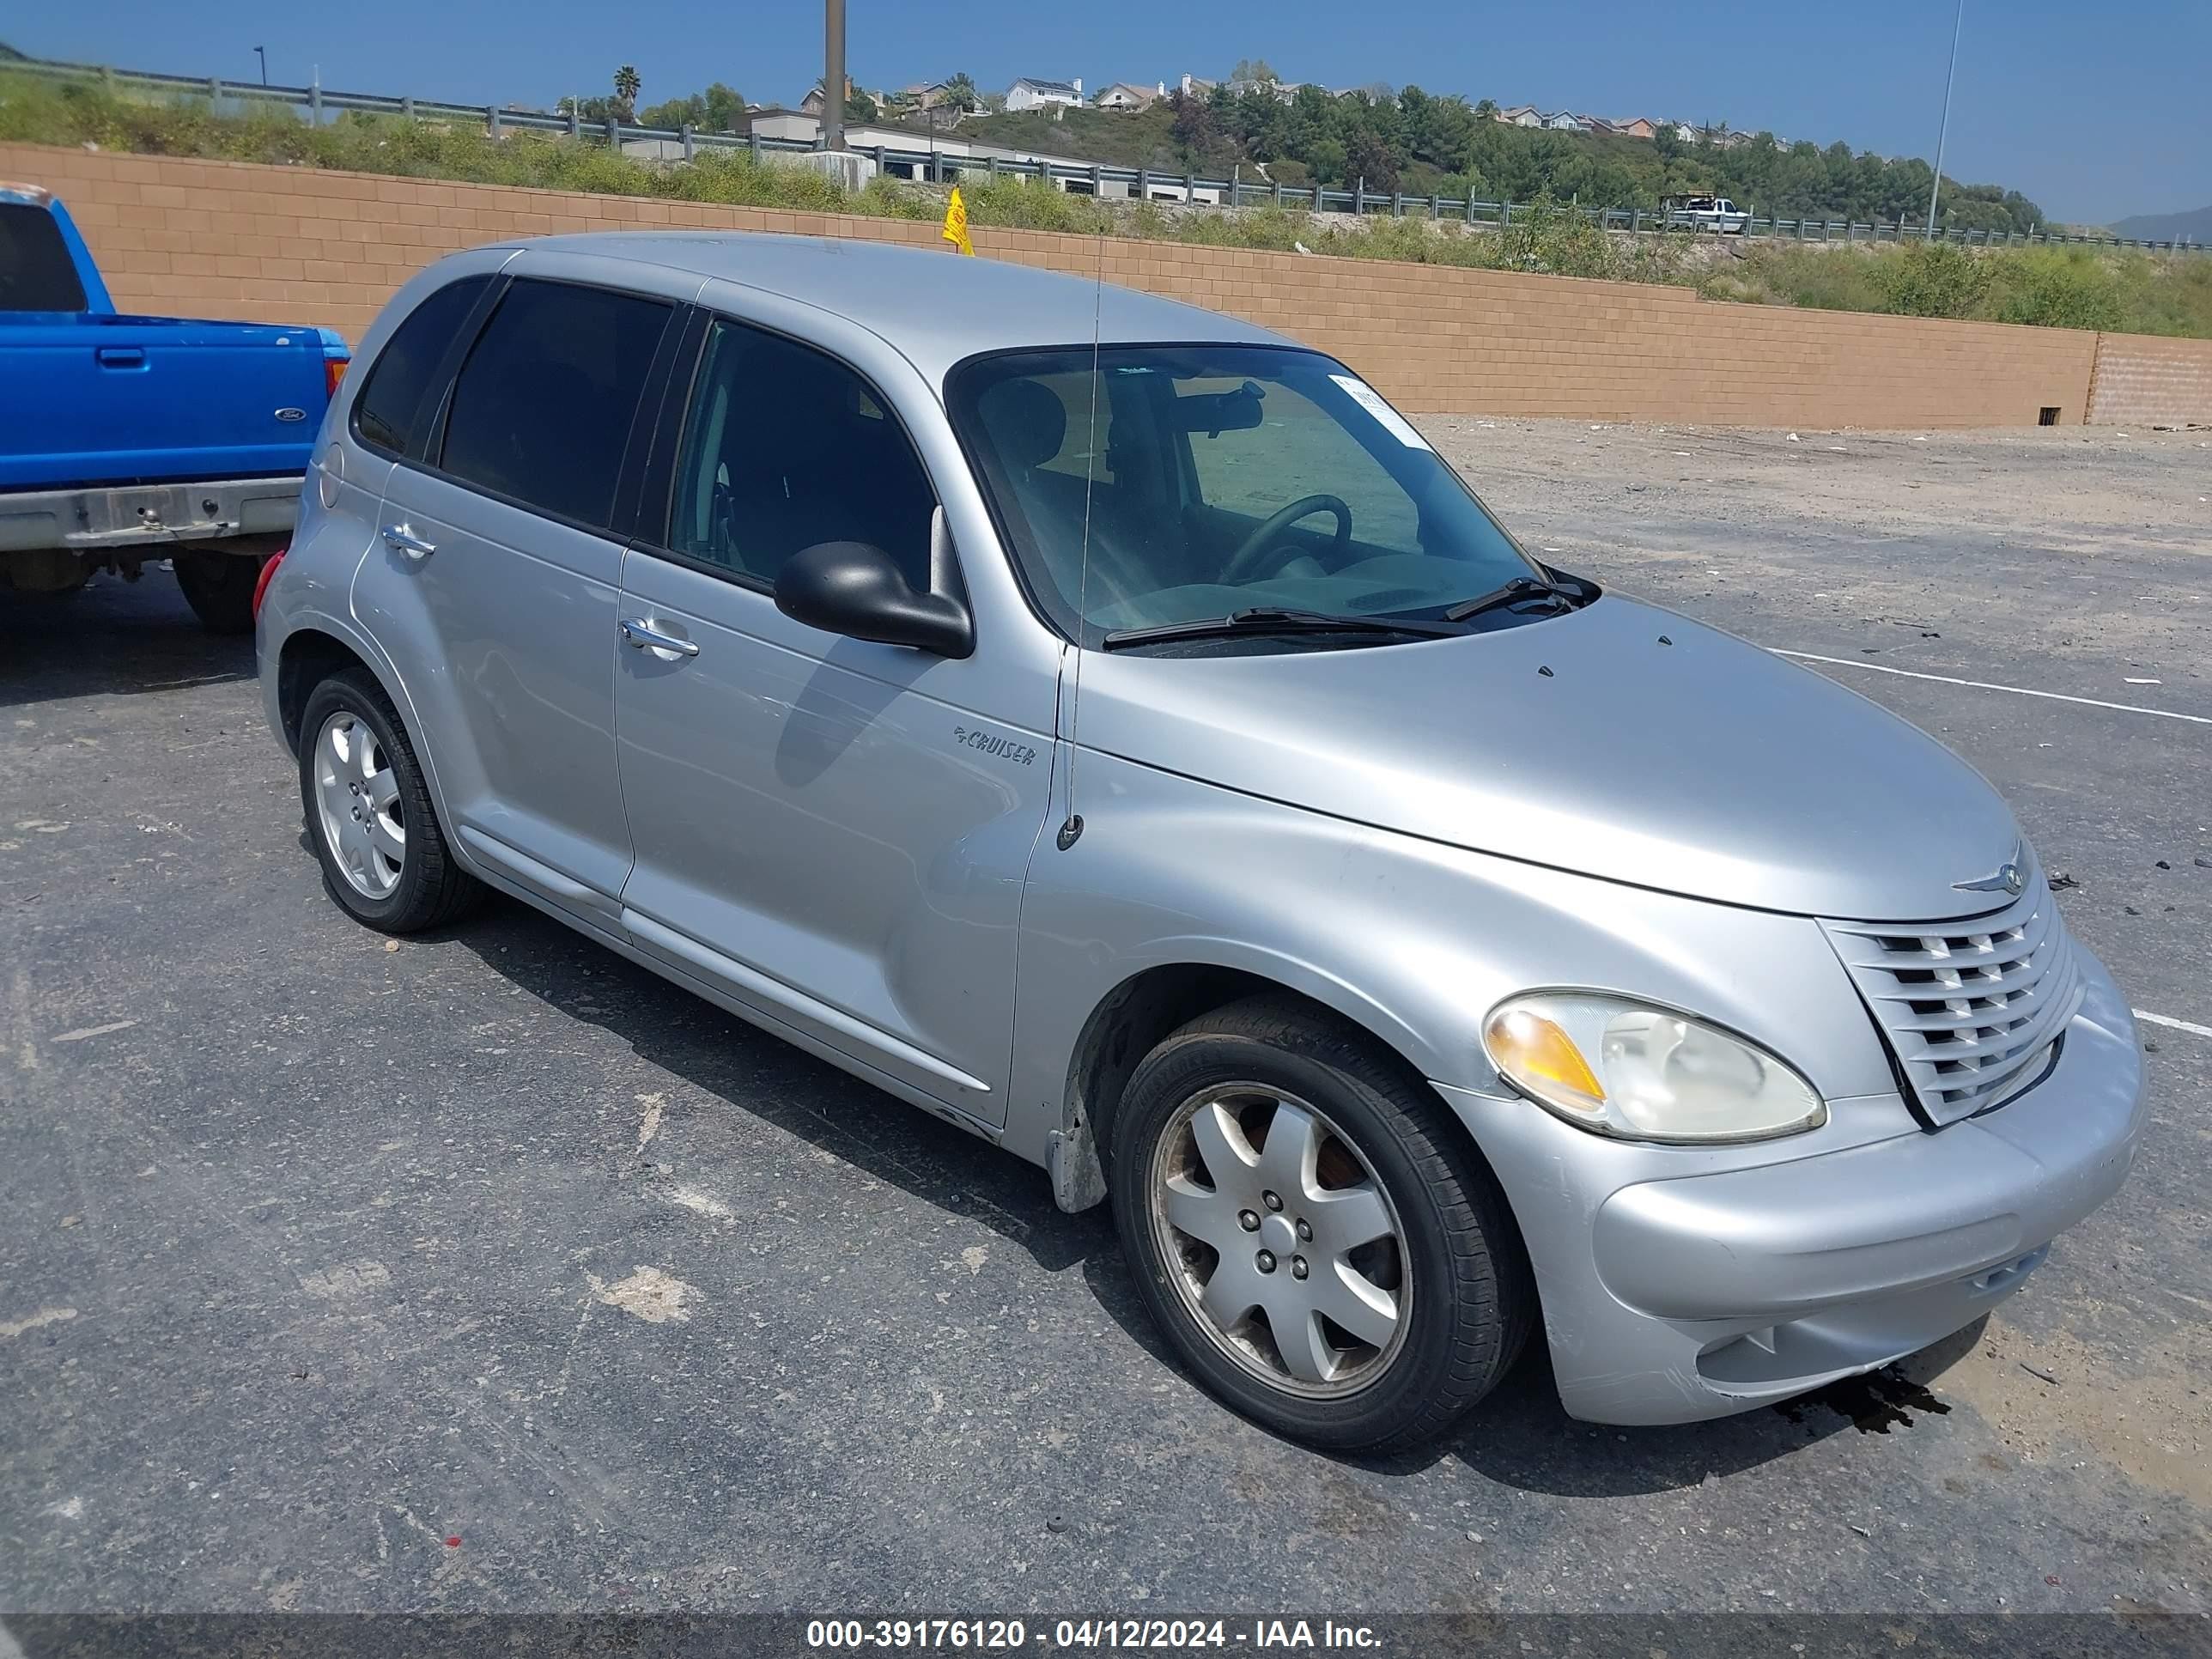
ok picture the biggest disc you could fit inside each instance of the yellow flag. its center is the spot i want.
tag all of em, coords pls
(956, 224)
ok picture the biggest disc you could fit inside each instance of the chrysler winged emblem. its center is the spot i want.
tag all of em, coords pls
(2007, 878)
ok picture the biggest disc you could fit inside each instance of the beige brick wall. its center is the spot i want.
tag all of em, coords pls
(226, 239)
(2140, 381)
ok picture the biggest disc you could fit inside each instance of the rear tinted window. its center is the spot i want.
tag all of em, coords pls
(544, 405)
(36, 273)
(390, 405)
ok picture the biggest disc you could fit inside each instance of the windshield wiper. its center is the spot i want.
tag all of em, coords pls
(1270, 619)
(1511, 593)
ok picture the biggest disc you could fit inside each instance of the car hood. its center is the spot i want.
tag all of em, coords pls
(1619, 740)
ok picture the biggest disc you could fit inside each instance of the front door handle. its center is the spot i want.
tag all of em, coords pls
(646, 637)
(401, 538)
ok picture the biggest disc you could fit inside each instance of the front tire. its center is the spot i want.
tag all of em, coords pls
(219, 587)
(1322, 1246)
(384, 856)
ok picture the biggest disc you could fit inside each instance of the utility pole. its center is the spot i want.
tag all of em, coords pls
(261, 52)
(833, 74)
(1943, 131)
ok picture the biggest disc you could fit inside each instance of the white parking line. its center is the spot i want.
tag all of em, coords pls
(1988, 685)
(2172, 1024)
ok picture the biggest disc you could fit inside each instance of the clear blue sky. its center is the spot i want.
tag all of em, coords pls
(2095, 112)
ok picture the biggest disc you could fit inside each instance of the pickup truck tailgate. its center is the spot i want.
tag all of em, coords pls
(87, 398)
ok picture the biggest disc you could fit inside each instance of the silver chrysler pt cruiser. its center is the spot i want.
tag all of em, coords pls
(1111, 728)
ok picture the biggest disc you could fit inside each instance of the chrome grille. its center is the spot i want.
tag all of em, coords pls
(1970, 1008)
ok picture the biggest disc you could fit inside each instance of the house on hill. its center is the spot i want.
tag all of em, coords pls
(812, 102)
(1283, 92)
(933, 95)
(1124, 95)
(1029, 93)
(1521, 115)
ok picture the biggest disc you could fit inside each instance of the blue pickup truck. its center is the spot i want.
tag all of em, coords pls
(127, 441)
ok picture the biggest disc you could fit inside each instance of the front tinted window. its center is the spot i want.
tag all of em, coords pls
(784, 447)
(544, 405)
(1255, 469)
(1206, 480)
(387, 412)
(36, 273)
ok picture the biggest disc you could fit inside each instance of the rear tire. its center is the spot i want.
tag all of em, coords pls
(384, 854)
(219, 587)
(1376, 1240)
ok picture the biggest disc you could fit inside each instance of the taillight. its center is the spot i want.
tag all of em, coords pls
(334, 370)
(261, 582)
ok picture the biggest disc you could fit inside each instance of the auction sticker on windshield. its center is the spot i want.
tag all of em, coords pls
(1371, 400)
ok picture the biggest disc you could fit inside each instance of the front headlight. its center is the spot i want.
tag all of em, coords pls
(1618, 1067)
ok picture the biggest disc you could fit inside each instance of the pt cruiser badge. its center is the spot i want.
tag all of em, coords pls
(1020, 753)
(2006, 879)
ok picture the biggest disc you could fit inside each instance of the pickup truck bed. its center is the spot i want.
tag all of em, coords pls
(129, 439)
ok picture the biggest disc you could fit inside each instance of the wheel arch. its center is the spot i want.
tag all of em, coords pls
(1148, 1003)
(313, 650)
(309, 656)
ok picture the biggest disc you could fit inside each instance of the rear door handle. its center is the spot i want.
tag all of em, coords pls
(646, 637)
(121, 356)
(401, 538)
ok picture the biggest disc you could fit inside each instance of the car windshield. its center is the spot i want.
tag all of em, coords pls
(1212, 480)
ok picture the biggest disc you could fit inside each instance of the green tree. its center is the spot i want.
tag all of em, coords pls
(1416, 120)
(1193, 128)
(1259, 121)
(1368, 161)
(627, 86)
(960, 91)
(596, 111)
(1252, 68)
(1463, 187)
(724, 108)
(719, 109)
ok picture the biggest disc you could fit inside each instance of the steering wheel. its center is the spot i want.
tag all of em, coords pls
(1244, 563)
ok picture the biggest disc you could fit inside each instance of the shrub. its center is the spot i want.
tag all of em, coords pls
(2056, 288)
(1931, 279)
(1819, 279)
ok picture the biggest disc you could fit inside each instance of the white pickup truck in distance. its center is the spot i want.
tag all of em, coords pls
(1714, 213)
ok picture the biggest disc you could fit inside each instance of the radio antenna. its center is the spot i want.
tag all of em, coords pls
(1071, 830)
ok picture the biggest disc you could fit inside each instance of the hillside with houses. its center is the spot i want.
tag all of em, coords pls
(1258, 125)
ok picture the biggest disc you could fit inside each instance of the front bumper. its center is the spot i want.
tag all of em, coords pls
(1678, 1285)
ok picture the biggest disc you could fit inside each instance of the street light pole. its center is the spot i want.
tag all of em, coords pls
(833, 74)
(1943, 131)
(261, 52)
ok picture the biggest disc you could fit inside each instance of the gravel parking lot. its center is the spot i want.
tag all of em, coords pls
(487, 1271)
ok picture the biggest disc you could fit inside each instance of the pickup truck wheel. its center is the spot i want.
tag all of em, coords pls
(384, 856)
(1322, 1246)
(219, 587)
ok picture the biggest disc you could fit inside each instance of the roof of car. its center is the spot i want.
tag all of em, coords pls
(936, 308)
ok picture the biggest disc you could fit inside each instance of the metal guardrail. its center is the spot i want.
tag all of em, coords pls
(1138, 183)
